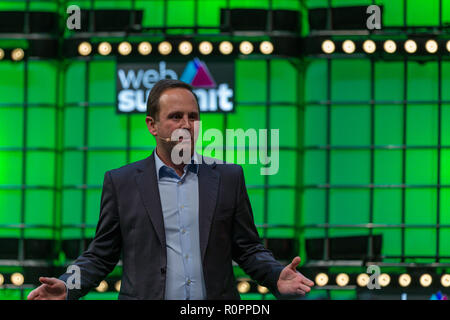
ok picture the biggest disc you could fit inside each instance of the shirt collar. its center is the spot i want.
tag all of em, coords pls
(162, 170)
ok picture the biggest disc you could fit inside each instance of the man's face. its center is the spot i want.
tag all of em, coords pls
(177, 110)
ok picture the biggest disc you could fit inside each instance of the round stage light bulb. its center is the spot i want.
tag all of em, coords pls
(410, 46)
(2, 279)
(243, 287)
(165, 48)
(448, 45)
(102, 287)
(226, 47)
(262, 290)
(117, 285)
(17, 279)
(404, 280)
(348, 46)
(425, 280)
(145, 48)
(104, 48)
(342, 279)
(84, 48)
(328, 46)
(185, 47)
(431, 46)
(445, 280)
(363, 279)
(17, 54)
(2, 54)
(125, 48)
(266, 47)
(321, 279)
(384, 279)
(369, 46)
(390, 46)
(246, 47)
(205, 47)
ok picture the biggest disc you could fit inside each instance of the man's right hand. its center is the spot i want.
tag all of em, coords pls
(51, 289)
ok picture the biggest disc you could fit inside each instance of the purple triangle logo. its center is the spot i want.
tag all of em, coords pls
(200, 75)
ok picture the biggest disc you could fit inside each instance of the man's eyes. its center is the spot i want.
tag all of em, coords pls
(179, 116)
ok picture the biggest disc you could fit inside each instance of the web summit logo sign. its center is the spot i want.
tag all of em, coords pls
(213, 83)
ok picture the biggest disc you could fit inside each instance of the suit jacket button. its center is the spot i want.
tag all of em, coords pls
(163, 270)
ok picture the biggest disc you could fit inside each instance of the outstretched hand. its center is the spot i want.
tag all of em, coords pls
(51, 289)
(292, 282)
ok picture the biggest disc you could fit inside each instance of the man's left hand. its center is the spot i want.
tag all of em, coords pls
(292, 282)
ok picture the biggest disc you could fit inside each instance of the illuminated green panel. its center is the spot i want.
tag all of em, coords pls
(11, 131)
(10, 206)
(423, 13)
(250, 81)
(11, 87)
(388, 167)
(209, 12)
(42, 77)
(316, 81)
(388, 124)
(259, 4)
(284, 118)
(283, 82)
(315, 125)
(420, 206)
(74, 77)
(40, 165)
(73, 168)
(313, 211)
(153, 15)
(315, 160)
(350, 125)
(281, 212)
(350, 74)
(10, 167)
(421, 167)
(39, 210)
(139, 134)
(101, 88)
(101, 161)
(180, 13)
(106, 128)
(41, 127)
(287, 172)
(422, 81)
(71, 213)
(389, 81)
(350, 167)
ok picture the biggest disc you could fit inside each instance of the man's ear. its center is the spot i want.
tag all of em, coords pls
(151, 125)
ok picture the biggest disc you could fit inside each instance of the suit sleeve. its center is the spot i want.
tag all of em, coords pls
(104, 251)
(248, 251)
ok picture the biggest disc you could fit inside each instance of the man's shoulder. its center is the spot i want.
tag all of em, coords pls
(129, 169)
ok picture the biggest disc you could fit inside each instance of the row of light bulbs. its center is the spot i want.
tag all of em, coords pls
(165, 48)
(404, 280)
(389, 46)
(16, 55)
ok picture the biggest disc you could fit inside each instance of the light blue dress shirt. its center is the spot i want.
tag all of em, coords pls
(180, 206)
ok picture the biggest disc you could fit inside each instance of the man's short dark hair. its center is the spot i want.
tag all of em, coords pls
(158, 89)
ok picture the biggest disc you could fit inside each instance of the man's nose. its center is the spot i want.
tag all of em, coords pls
(186, 124)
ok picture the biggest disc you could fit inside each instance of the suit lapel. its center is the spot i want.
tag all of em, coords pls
(208, 186)
(147, 182)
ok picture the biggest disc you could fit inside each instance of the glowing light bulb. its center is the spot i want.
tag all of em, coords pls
(246, 47)
(328, 46)
(266, 47)
(369, 46)
(445, 280)
(363, 279)
(2, 279)
(226, 47)
(2, 54)
(17, 279)
(390, 46)
(144, 48)
(425, 280)
(404, 280)
(262, 290)
(448, 45)
(243, 287)
(431, 46)
(102, 287)
(348, 46)
(342, 279)
(205, 47)
(84, 48)
(104, 48)
(165, 48)
(125, 48)
(410, 46)
(117, 285)
(321, 279)
(185, 47)
(384, 279)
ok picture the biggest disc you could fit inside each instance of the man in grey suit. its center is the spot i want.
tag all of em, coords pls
(178, 226)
